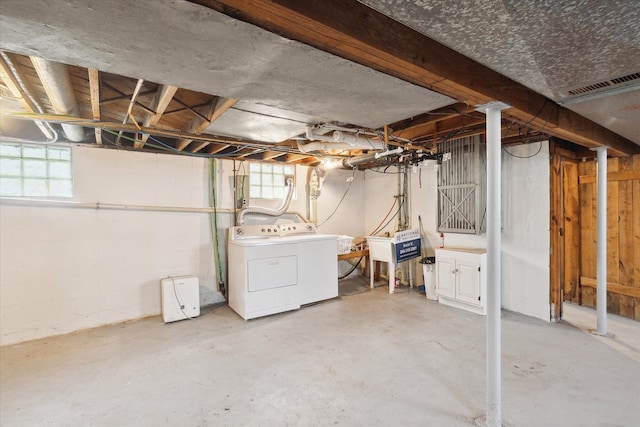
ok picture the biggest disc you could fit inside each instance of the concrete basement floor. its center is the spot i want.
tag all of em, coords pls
(368, 359)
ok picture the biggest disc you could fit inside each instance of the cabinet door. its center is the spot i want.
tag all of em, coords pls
(468, 289)
(446, 277)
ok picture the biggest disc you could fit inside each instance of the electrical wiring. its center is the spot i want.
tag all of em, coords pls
(162, 145)
(209, 156)
(391, 219)
(524, 157)
(388, 173)
(341, 200)
(375, 230)
(180, 304)
(166, 147)
(351, 270)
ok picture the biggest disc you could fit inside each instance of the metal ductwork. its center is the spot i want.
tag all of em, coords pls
(56, 81)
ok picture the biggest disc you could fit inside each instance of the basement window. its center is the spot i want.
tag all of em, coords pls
(462, 184)
(267, 180)
(30, 170)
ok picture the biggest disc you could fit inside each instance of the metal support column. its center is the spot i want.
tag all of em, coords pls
(601, 248)
(494, 197)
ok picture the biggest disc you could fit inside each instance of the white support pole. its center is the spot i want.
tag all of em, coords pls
(601, 248)
(494, 197)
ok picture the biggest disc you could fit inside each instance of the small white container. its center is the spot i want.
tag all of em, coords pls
(344, 244)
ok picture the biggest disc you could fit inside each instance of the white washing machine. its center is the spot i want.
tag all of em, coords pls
(277, 268)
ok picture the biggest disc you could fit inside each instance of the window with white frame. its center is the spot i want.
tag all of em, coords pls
(30, 170)
(267, 180)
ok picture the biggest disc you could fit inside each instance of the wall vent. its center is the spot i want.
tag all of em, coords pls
(604, 84)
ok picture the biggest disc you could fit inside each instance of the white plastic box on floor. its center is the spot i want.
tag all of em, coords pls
(180, 298)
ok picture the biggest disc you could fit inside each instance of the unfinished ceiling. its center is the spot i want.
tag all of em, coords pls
(193, 78)
(553, 47)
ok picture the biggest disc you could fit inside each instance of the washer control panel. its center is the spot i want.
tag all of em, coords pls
(271, 230)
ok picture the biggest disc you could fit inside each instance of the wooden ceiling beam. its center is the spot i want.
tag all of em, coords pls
(183, 109)
(440, 114)
(217, 148)
(94, 92)
(354, 31)
(449, 125)
(132, 102)
(131, 128)
(15, 79)
(295, 158)
(123, 96)
(217, 107)
(270, 155)
(246, 152)
(160, 102)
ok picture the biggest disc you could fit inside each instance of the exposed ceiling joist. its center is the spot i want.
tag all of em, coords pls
(17, 83)
(215, 109)
(94, 89)
(160, 102)
(356, 32)
(132, 128)
(132, 102)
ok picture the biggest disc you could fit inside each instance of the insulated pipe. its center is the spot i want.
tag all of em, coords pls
(389, 152)
(56, 81)
(352, 141)
(326, 146)
(494, 196)
(352, 163)
(266, 211)
(601, 244)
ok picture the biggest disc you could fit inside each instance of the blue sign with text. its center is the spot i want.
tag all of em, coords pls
(407, 244)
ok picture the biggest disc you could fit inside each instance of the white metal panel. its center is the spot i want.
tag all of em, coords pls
(318, 269)
(180, 298)
(271, 298)
(269, 273)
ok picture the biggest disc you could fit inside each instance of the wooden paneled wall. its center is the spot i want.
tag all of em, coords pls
(577, 233)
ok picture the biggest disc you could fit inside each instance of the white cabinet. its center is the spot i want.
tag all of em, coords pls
(461, 277)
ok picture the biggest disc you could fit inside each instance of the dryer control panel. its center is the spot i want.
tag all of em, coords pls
(272, 230)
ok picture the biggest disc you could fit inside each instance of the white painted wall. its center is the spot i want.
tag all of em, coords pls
(525, 230)
(66, 269)
(348, 218)
(525, 222)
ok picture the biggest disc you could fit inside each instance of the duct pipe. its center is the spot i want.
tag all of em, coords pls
(352, 163)
(56, 81)
(494, 197)
(266, 211)
(326, 146)
(390, 152)
(352, 141)
(601, 243)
